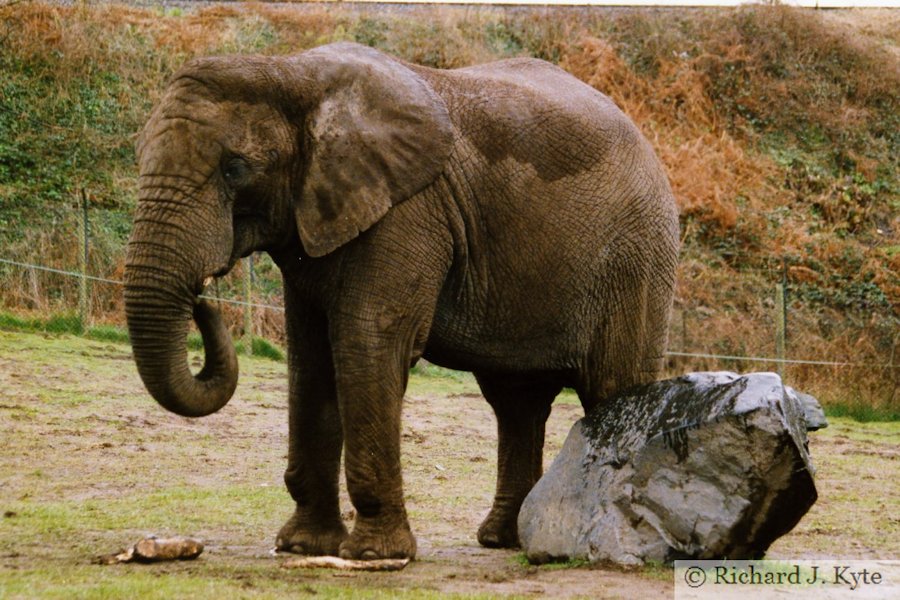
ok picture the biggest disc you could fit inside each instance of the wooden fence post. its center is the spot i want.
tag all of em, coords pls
(784, 296)
(892, 372)
(248, 313)
(84, 300)
(779, 327)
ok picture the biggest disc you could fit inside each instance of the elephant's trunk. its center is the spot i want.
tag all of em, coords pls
(158, 322)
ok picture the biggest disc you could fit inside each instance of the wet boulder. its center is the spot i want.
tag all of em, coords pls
(813, 415)
(707, 465)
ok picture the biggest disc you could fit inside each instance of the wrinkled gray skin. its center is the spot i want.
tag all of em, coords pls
(503, 219)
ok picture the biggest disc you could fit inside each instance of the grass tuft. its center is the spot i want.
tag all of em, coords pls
(863, 413)
(266, 349)
(108, 333)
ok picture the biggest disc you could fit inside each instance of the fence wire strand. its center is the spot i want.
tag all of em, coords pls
(788, 361)
(821, 363)
(118, 282)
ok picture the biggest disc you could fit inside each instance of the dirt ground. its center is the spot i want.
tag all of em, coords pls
(90, 464)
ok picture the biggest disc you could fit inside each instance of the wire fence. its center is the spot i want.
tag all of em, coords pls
(784, 361)
(87, 277)
(69, 269)
(58, 272)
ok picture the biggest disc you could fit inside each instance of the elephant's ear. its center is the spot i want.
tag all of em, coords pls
(377, 135)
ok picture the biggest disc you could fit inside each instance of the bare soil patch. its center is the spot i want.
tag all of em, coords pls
(90, 464)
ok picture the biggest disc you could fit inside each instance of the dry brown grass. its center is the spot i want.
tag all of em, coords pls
(778, 127)
(709, 169)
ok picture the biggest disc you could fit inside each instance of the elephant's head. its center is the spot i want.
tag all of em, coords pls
(256, 153)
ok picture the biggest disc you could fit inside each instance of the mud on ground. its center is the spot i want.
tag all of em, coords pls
(89, 464)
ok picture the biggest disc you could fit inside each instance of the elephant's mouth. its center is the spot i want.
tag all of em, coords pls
(223, 271)
(207, 282)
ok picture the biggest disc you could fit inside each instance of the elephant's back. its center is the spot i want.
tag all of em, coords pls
(530, 78)
(535, 75)
(537, 115)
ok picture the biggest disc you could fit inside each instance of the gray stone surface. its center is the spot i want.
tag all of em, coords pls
(813, 414)
(708, 465)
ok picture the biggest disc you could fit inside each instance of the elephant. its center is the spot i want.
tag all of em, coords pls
(503, 219)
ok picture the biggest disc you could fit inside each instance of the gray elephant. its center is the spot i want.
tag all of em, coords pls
(504, 219)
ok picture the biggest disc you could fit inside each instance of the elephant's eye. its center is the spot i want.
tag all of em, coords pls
(235, 170)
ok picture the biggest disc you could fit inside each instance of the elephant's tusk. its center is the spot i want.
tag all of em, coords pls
(207, 281)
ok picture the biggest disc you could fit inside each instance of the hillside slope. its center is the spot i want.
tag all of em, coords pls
(780, 129)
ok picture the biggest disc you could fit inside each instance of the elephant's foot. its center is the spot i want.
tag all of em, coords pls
(304, 535)
(372, 540)
(499, 530)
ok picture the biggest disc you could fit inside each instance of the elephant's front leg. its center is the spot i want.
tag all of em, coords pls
(315, 440)
(372, 371)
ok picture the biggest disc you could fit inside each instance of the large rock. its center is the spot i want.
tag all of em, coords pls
(813, 415)
(708, 465)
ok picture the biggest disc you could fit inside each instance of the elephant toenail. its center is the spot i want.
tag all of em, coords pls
(344, 553)
(369, 555)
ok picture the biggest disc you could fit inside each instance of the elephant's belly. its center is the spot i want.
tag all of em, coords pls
(516, 344)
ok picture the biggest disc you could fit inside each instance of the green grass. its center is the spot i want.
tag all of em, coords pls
(108, 333)
(856, 402)
(863, 413)
(558, 565)
(426, 378)
(652, 570)
(147, 582)
(60, 323)
(856, 431)
(90, 469)
(91, 465)
(148, 511)
(658, 571)
(855, 463)
(66, 323)
(429, 378)
(266, 349)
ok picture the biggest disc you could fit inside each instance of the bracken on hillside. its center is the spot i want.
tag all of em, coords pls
(780, 129)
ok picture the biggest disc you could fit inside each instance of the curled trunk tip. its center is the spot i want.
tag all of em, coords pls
(160, 351)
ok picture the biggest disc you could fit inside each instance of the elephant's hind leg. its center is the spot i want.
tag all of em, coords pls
(522, 405)
(629, 341)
